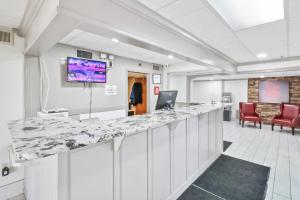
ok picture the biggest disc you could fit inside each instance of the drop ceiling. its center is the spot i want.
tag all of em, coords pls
(12, 12)
(86, 40)
(246, 14)
(278, 39)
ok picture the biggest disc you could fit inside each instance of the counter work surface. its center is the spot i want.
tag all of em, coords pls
(41, 137)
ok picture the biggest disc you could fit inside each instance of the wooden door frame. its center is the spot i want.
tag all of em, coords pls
(147, 73)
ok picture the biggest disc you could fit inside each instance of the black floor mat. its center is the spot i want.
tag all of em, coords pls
(235, 179)
(226, 144)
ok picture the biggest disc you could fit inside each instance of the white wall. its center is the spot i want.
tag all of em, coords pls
(206, 91)
(12, 100)
(239, 91)
(178, 82)
(75, 97)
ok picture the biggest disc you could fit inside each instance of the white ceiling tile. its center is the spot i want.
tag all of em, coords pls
(196, 19)
(268, 38)
(206, 26)
(11, 12)
(156, 4)
(267, 33)
(181, 8)
(237, 51)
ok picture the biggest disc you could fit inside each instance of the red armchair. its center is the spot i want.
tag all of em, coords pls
(289, 116)
(248, 113)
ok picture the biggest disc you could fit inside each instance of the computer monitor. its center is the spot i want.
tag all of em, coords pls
(166, 99)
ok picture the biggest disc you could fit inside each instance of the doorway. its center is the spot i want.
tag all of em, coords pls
(137, 93)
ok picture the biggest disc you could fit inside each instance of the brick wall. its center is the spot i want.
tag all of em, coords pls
(268, 110)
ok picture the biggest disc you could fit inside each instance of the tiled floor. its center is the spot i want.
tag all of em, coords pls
(278, 150)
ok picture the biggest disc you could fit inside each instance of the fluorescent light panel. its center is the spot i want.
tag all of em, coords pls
(241, 14)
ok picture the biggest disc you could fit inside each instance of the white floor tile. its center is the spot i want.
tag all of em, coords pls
(295, 192)
(295, 175)
(279, 197)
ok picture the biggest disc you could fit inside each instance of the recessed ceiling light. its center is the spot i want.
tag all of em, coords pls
(115, 40)
(262, 55)
(248, 13)
(262, 76)
(170, 56)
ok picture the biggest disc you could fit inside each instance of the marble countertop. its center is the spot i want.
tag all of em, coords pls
(41, 137)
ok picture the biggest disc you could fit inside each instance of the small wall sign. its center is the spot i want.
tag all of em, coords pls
(156, 90)
(156, 79)
(110, 90)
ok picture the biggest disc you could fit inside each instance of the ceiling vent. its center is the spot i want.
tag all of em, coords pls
(156, 67)
(6, 36)
(84, 54)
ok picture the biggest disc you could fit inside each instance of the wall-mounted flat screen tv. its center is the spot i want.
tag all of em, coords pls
(84, 70)
(274, 91)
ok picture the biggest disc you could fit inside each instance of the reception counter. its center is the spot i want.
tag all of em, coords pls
(148, 157)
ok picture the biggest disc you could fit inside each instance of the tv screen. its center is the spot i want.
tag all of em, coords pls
(84, 70)
(274, 91)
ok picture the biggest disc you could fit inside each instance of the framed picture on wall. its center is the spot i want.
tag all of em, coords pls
(156, 78)
(273, 91)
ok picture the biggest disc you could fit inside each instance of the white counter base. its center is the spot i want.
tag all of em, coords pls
(158, 164)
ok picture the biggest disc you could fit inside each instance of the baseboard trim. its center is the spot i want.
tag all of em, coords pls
(12, 190)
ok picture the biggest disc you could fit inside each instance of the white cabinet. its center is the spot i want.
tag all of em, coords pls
(219, 130)
(212, 134)
(215, 132)
(41, 175)
(179, 153)
(203, 139)
(91, 173)
(133, 167)
(193, 146)
(161, 163)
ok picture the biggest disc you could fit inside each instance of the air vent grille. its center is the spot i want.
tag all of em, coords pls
(84, 54)
(156, 67)
(6, 37)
